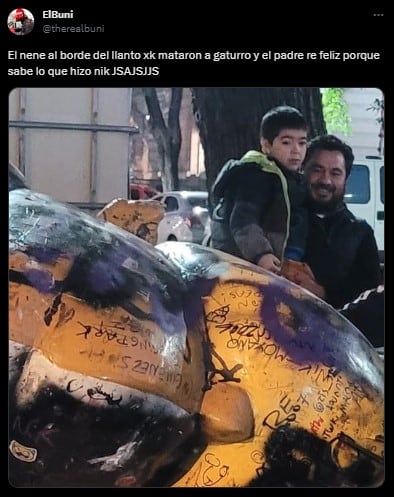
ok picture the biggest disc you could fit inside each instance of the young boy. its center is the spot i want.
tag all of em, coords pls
(260, 200)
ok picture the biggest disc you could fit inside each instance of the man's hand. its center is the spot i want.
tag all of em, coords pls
(269, 262)
(301, 273)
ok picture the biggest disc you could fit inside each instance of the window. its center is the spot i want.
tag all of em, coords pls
(171, 204)
(382, 184)
(357, 186)
(198, 201)
(134, 194)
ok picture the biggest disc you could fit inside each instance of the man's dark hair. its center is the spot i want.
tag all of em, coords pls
(280, 118)
(331, 142)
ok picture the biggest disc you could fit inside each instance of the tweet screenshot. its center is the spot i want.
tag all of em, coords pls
(196, 253)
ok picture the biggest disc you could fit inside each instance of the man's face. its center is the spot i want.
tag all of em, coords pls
(326, 178)
(289, 148)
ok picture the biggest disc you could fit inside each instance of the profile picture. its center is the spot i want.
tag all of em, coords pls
(20, 21)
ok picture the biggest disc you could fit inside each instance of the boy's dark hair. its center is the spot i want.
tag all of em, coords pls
(331, 142)
(280, 118)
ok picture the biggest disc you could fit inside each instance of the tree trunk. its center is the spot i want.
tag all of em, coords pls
(168, 137)
(229, 119)
(174, 131)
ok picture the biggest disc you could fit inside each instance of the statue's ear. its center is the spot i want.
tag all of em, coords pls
(227, 414)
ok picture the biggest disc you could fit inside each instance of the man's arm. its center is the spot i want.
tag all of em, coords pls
(364, 274)
(367, 314)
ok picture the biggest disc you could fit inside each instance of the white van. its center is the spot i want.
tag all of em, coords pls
(365, 195)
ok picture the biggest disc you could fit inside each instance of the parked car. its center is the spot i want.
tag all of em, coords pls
(141, 192)
(186, 213)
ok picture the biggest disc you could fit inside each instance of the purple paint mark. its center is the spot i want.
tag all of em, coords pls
(170, 318)
(105, 276)
(40, 279)
(193, 303)
(315, 333)
(44, 254)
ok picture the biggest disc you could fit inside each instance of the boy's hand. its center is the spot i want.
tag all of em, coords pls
(269, 262)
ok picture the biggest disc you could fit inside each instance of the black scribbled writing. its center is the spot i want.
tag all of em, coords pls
(327, 432)
(286, 413)
(302, 400)
(97, 393)
(211, 471)
(242, 336)
(51, 311)
(145, 367)
(70, 388)
(302, 344)
(321, 375)
(245, 297)
(357, 392)
(258, 458)
(65, 314)
(218, 315)
(226, 373)
(345, 402)
(251, 336)
(129, 323)
(109, 334)
(242, 329)
(94, 356)
(321, 398)
(337, 395)
(121, 361)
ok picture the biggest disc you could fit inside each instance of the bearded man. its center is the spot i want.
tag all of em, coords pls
(341, 250)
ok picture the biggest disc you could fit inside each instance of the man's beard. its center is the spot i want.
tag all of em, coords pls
(327, 207)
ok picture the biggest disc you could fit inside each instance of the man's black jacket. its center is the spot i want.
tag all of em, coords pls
(342, 253)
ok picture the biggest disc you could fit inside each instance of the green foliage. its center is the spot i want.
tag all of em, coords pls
(335, 111)
(378, 108)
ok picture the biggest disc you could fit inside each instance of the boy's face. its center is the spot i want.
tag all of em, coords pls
(289, 148)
